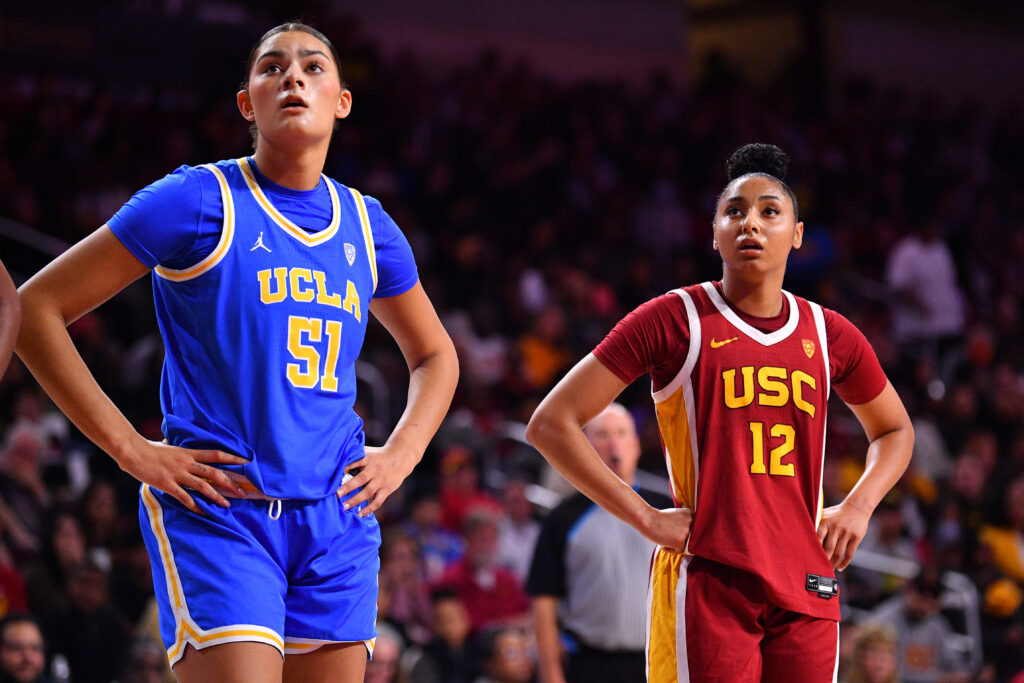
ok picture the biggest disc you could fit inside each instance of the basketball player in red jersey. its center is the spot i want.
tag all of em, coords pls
(743, 585)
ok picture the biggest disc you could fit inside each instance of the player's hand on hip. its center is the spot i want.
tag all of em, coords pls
(173, 470)
(376, 476)
(670, 528)
(841, 530)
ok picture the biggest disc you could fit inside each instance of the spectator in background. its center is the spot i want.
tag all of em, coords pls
(446, 658)
(505, 657)
(401, 568)
(438, 546)
(1007, 543)
(22, 488)
(590, 572)
(63, 551)
(542, 350)
(923, 634)
(22, 650)
(101, 521)
(885, 535)
(874, 657)
(383, 667)
(146, 663)
(51, 426)
(927, 306)
(461, 493)
(517, 529)
(490, 593)
(87, 626)
(13, 595)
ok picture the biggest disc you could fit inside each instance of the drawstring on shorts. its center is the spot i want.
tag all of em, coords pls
(274, 510)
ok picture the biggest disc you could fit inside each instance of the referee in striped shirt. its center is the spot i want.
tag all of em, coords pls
(589, 574)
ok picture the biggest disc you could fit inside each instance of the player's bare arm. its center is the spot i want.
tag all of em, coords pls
(556, 430)
(891, 442)
(10, 318)
(433, 373)
(100, 267)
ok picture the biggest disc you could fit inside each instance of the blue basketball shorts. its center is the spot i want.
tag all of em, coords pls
(302, 579)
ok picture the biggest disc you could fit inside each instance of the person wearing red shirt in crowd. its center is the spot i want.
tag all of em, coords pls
(743, 585)
(461, 493)
(490, 593)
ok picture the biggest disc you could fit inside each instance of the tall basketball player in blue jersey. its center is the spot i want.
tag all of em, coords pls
(257, 511)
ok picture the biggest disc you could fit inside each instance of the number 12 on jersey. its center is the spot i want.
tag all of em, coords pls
(783, 431)
(306, 374)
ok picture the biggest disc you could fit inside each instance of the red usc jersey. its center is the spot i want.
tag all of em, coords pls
(743, 426)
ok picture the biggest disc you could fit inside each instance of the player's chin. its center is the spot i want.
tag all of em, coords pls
(296, 131)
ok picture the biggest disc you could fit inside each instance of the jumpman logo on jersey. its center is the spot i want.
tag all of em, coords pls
(259, 244)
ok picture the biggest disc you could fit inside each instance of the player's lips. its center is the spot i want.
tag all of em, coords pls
(294, 102)
(748, 245)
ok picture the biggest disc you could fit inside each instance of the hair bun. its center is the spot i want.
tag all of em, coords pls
(757, 157)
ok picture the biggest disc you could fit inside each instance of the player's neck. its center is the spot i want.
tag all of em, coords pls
(759, 298)
(295, 170)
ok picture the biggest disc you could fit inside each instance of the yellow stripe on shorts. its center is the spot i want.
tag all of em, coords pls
(663, 619)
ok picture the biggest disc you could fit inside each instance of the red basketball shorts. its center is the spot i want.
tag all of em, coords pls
(711, 622)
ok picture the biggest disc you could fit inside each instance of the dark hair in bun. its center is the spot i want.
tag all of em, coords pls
(758, 157)
(761, 159)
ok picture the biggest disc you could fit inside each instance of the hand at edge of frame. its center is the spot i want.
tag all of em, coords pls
(378, 475)
(670, 528)
(172, 469)
(841, 530)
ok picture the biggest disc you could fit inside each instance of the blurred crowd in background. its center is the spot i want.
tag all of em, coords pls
(540, 213)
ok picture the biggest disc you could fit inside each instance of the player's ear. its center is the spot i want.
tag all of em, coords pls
(344, 104)
(245, 105)
(798, 235)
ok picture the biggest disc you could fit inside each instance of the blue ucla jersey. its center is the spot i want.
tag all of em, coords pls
(262, 334)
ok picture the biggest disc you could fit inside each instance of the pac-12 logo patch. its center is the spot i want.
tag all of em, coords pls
(808, 348)
(350, 253)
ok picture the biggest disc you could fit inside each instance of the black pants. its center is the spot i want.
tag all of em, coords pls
(589, 665)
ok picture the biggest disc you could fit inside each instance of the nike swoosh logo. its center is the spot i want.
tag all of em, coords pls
(716, 344)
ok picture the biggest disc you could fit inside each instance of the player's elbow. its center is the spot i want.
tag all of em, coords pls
(540, 430)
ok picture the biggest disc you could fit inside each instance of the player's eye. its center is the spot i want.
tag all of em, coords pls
(771, 211)
(315, 66)
(271, 68)
(733, 211)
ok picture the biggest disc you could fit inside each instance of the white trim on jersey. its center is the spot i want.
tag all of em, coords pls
(835, 670)
(227, 235)
(819, 324)
(364, 220)
(683, 379)
(765, 339)
(691, 354)
(682, 658)
(282, 221)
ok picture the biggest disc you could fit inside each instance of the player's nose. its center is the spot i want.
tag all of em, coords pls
(750, 223)
(292, 78)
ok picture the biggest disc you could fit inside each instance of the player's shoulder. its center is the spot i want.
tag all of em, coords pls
(184, 187)
(194, 179)
(668, 307)
(374, 209)
(835, 322)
